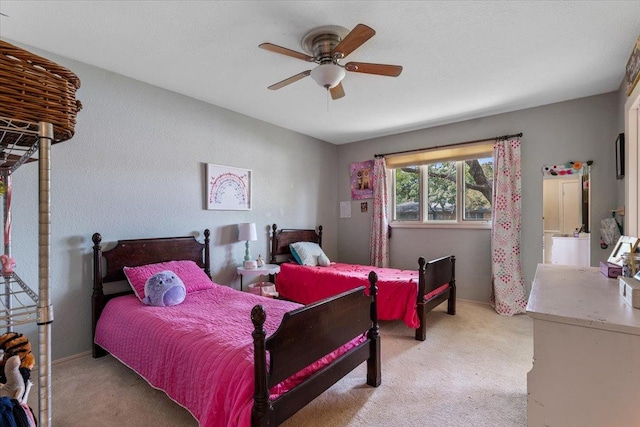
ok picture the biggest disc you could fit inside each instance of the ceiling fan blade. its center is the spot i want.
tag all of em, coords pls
(379, 69)
(356, 38)
(284, 51)
(290, 80)
(337, 91)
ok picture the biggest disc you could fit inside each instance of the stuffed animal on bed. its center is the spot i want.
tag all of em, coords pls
(16, 344)
(14, 386)
(164, 289)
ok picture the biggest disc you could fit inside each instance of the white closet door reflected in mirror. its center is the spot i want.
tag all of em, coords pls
(565, 210)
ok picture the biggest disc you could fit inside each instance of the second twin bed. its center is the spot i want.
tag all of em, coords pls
(406, 295)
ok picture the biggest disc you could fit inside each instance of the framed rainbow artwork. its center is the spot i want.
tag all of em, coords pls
(228, 188)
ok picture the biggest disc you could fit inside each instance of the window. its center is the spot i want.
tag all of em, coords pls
(443, 191)
(407, 193)
(478, 189)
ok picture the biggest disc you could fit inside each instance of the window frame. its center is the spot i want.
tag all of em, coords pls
(423, 221)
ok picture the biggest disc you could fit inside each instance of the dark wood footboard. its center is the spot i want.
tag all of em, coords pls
(433, 275)
(304, 336)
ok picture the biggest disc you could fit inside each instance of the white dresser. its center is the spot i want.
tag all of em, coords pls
(586, 351)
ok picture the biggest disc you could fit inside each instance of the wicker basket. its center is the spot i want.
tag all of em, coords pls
(34, 89)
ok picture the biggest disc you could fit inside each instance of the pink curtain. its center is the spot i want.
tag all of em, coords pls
(507, 291)
(379, 245)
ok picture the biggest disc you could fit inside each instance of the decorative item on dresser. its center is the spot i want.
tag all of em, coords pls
(218, 379)
(402, 294)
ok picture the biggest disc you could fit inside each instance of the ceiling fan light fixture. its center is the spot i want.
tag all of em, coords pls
(328, 75)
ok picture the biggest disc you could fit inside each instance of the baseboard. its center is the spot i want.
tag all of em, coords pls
(70, 358)
(473, 302)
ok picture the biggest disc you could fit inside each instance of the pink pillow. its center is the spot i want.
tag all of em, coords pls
(193, 277)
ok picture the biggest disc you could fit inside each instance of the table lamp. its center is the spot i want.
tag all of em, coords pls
(247, 232)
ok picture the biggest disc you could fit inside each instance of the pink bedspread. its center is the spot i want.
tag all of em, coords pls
(397, 289)
(213, 379)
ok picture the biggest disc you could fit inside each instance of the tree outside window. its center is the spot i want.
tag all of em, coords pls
(446, 185)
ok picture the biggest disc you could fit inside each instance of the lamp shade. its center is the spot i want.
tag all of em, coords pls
(247, 231)
(328, 75)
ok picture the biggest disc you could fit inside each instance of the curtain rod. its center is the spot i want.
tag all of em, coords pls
(451, 145)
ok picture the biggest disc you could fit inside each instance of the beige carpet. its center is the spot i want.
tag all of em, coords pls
(471, 371)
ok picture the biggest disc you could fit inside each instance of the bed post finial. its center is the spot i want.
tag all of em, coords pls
(421, 332)
(207, 257)
(261, 392)
(451, 305)
(373, 292)
(374, 362)
(274, 244)
(320, 235)
(422, 281)
(98, 295)
(97, 264)
(97, 238)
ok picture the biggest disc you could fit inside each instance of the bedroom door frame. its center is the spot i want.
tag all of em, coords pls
(632, 163)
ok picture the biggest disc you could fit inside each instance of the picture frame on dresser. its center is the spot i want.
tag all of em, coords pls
(624, 245)
(620, 156)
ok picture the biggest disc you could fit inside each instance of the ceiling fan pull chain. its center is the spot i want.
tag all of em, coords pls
(327, 100)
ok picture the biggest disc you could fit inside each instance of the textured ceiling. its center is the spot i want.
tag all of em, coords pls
(461, 59)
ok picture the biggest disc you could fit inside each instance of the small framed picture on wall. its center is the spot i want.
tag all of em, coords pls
(620, 156)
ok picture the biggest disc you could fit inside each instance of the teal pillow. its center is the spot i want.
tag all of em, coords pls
(295, 254)
(307, 253)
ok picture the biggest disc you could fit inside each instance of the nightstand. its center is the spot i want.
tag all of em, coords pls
(271, 269)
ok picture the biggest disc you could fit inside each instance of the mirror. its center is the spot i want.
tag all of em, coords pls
(565, 210)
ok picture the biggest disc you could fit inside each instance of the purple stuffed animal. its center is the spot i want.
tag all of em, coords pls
(164, 289)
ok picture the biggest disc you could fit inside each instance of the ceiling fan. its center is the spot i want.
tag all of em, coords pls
(326, 46)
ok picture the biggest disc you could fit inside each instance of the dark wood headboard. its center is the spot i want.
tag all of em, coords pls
(136, 252)
(281, 239)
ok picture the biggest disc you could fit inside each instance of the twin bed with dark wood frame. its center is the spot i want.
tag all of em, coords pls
(305, 334)
(431, 275)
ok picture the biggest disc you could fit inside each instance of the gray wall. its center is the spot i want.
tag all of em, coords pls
(582, 129)
(135, 169)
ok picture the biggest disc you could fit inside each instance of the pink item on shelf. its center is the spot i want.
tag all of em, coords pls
(8, 264)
